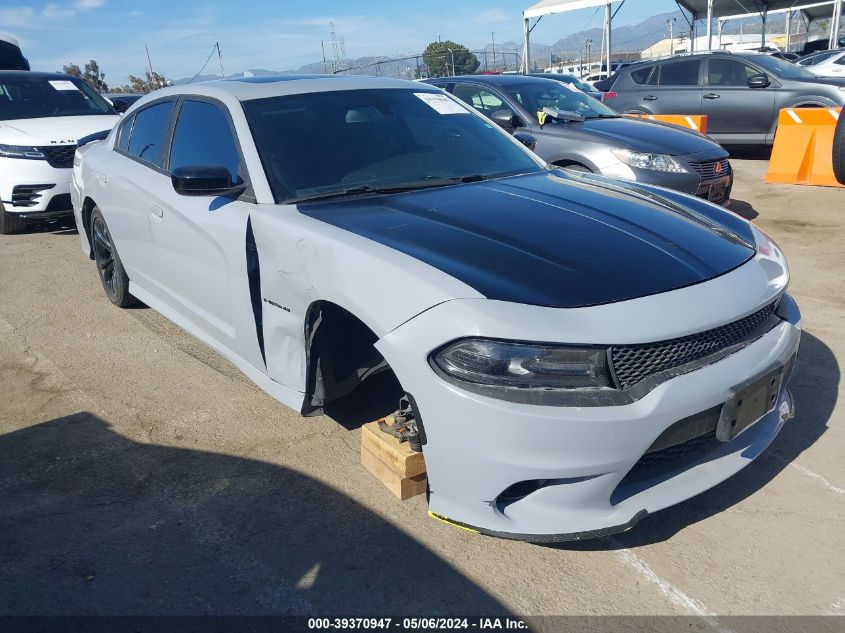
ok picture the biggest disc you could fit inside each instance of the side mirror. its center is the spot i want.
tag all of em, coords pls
(119, 105)
(204, 180)
(526, 139)
(759, 81)
(505, 118)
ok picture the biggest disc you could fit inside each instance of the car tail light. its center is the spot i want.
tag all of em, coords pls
(609, 95)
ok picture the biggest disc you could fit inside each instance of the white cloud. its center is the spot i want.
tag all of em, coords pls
(84, 5)
(16, 16)
(491, 16)
(54, 11)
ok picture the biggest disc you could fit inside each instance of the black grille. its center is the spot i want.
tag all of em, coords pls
(632, 363)
(671, 460)
(60, 202)
(707, 169)
(60, 156)
(27, 195)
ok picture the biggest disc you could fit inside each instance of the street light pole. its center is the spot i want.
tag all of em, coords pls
(671, 24)
(452, 53)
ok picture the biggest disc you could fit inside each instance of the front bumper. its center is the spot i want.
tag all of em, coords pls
(480, 447)
(32, 189)
(716, 189)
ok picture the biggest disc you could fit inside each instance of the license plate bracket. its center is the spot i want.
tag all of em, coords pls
(748, 402)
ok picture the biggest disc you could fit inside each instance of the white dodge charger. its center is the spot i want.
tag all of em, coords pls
(577, 352)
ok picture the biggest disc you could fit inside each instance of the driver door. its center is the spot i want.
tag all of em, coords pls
(201, 242)
(736, 113)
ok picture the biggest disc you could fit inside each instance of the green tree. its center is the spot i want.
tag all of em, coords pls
(439, 56)
(148, 83)
(72, 69)
(94, 76)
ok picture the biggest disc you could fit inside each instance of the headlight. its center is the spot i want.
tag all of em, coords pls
(21, 151)
(656, 162)
(524, 365)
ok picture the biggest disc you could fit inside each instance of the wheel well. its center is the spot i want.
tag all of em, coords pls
(340, 356)
(87, 207)
(571, 163)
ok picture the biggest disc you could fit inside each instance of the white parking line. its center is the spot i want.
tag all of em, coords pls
(809, 473)
(675, 595)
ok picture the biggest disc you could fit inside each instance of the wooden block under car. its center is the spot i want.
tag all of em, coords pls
(402, 487)
(397, 455)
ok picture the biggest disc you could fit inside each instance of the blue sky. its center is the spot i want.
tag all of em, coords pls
(271, 34)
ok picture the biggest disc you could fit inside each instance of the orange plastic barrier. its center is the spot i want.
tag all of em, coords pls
(803, 148)
(695, 122)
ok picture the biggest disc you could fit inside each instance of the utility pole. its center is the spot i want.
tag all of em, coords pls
(220, 59)
(323, 48)
(493, 36)
(149, 62)
(671, 24)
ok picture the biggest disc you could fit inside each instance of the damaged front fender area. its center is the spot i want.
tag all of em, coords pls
(340, 355)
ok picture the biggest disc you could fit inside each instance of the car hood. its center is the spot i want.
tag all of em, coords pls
(552, 238)
(832, 81)
(60, 130)
(644, 136)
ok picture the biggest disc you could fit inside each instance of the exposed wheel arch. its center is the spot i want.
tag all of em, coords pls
(574, 166)
(88, 205)
(339, 355)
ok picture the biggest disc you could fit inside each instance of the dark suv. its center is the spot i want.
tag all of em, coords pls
(741, 94)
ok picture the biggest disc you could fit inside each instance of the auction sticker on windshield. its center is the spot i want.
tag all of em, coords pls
(63, 84)
(441, 103)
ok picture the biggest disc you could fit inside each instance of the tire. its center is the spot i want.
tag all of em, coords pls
(9, 223)
(839, 149)
(109, 267)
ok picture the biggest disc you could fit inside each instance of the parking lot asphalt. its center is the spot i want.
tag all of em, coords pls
(140, 473)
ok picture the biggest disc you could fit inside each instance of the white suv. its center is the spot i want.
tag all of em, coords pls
(42, 116)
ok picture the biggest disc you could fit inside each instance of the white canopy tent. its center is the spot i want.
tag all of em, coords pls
(698, 9)
(809, 12)
(548, 7)
(710, 9)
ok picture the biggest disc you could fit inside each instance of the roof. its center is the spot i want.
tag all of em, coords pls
(726, 8)
(247, 88)
(496, 80)
(812, 10)
(547, 7)
(36, 74)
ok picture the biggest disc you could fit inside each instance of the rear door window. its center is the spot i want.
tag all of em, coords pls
(482, 100)
(150, 133)
(124, 133)
(680, 73)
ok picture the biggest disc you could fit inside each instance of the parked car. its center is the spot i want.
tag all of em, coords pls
(816, 58)
(741, 94)
(592, 78)
(11, 57)
(821, 44)
(42, 115)
(587, 135)
(570, 80)
(122, 101)
(577, 352)
(832, 66)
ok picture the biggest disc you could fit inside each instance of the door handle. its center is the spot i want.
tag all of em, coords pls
(650, 98)
(712, 95)
(156, 210)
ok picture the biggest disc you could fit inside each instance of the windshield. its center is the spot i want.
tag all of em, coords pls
(33, 97)
(351, 142)
(780, 67)
(535, 96)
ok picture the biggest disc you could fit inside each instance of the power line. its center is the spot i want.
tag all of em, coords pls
(213, 48)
